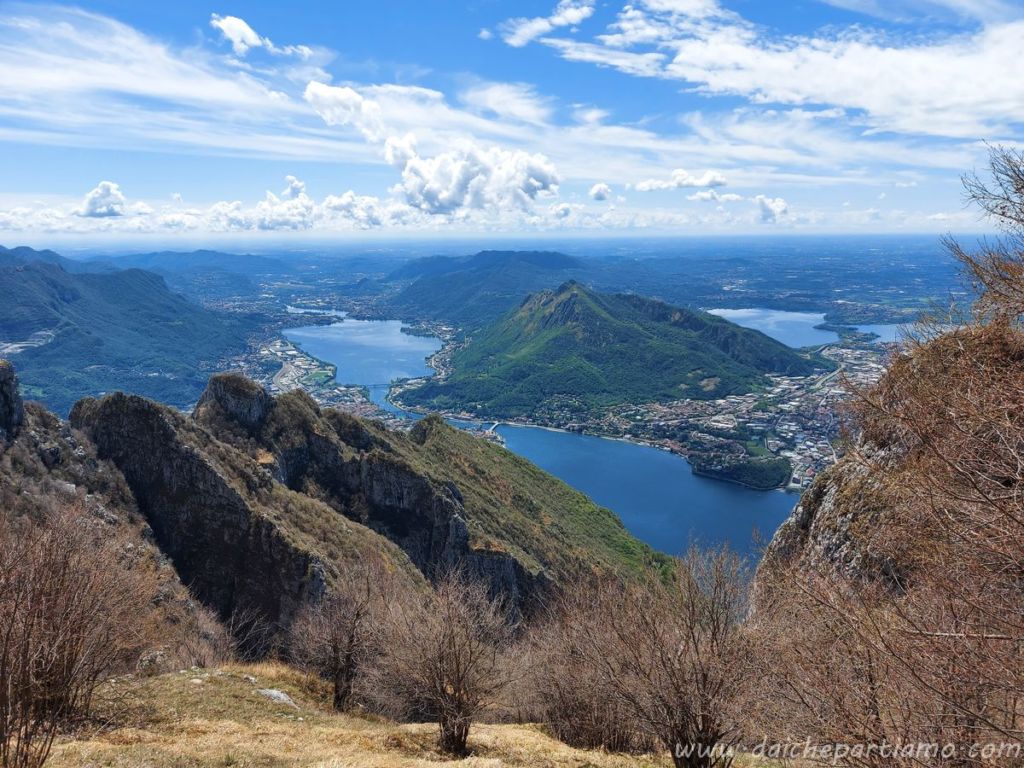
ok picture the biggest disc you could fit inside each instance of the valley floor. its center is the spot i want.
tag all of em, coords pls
(199, 718)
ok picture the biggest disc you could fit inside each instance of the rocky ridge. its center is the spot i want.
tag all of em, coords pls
(260, 504)
(244, 544)
(357, 470)
(12, 411)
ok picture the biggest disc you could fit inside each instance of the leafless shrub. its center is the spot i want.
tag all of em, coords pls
(930, 650)
(203, 640)
(566, 690)
(668, 654)
(71, 613)
(443, 658)
(336, 637)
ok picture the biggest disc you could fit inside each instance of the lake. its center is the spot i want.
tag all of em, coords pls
(658, 498)
(794, 329)
(797, 329)
(370, 353)
(654, 492)
(887, 333)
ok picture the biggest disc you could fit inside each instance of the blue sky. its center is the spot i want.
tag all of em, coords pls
(127, 120)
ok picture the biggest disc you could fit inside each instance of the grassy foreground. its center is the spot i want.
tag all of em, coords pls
(199, 718)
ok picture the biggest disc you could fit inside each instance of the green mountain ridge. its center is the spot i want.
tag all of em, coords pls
(97, 332)
(580, 349)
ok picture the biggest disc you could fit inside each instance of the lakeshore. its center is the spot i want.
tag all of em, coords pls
(658, 497)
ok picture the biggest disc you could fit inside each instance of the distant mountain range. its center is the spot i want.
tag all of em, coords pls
(202, 260)
(25, 255)
(575, 348)
(75, 333)
(473, 291)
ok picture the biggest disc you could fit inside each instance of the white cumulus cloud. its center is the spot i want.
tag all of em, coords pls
(680, 179)
(295, 187)
(467, 176)
(771, 208)
(243, 38)
(345, 106)
(104, 201)
(474, 177)
(600, 192)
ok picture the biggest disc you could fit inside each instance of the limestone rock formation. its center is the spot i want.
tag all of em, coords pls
(242, 542)
(363, 475)
(833, 527)
(12, 411)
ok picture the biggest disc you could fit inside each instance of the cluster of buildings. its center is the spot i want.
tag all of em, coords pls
(794, 418)
(281, 366)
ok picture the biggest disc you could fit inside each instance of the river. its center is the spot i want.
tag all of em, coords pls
(658, 498)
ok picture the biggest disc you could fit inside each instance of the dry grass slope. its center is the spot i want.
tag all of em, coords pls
(207, 718)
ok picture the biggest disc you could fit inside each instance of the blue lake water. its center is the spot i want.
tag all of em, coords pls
(794, 329)
(887, 334)
(797, 329)
(654, 492)
(370, 353)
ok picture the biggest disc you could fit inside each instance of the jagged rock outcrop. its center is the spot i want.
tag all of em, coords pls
(12, 411)
(49, 469)
(242, 542)
(242, 400)
(260, 505)
(338, 459)
(833, 527)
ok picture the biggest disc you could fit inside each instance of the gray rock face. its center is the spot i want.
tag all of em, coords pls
(12, 411)
(428, 521)
(233, 558)
(333, 457)
(241, 400)
(829, 530)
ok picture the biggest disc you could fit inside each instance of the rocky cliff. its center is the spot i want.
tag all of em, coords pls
(840, 525)
(446, 498)
(242, 542)
(48, 468)
(12, 411)
(361, 473)
(260, 504)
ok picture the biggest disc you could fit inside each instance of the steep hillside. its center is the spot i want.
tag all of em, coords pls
(471, 292)
(261, 503)
(240, 540)
(48, 468)
(75, 334)
(584, 349)
(443, 496)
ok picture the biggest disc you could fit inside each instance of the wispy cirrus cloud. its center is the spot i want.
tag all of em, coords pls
(960, 85)
(467, 151)
(521, 31)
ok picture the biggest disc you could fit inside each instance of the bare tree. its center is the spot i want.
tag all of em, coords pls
(334, 637)
(566, 689)
(443, 658)
(670, 653)
(70, 614)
